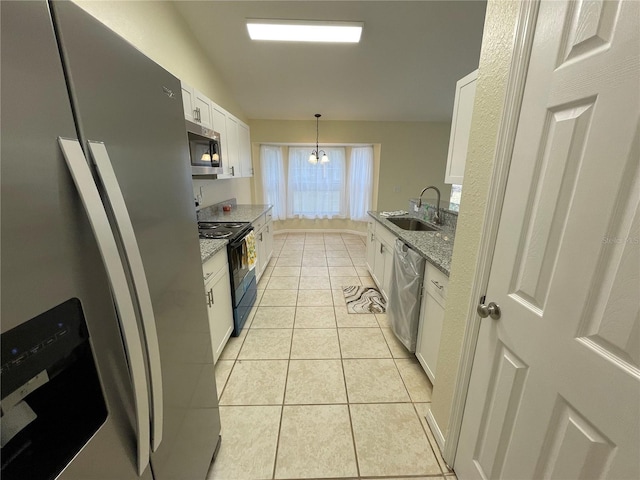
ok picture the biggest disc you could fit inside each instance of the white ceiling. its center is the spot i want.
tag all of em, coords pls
(404, 69)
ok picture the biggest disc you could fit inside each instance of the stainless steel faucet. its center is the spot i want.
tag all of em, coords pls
(436, 219)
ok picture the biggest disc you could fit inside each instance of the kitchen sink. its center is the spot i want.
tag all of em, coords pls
(413, 224)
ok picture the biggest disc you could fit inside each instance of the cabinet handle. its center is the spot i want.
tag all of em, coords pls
(208, 300)
(211, 293)
(260, 237)
(381, 248)
(267, 228)
(371, 240)
(233, 171)
(437, 284)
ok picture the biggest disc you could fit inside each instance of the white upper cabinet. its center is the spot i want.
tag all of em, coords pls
(230, 164)
(244, 150)
(460, 128)
(188, 102)
(196, 105)
(203, 109)
(235, 137)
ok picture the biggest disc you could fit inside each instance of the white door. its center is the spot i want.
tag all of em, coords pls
(555, 386)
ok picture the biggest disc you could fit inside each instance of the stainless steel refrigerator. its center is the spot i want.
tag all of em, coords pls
(107, 368)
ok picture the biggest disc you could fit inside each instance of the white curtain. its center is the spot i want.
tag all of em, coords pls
(316, 190)
(360, 182)
(273, 186)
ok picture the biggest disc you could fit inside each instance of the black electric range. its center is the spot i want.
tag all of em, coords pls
(223, 230)
(243, 277)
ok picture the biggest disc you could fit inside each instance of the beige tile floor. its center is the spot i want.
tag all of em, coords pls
(310, 391)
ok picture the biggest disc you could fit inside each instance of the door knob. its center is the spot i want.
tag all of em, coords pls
(492, 310)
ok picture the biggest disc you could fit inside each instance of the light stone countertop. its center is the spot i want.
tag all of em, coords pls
(238, 213)
(209, 247)
(435, 247)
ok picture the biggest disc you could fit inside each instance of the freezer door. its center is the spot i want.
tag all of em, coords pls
(49, 253)
(133, 106)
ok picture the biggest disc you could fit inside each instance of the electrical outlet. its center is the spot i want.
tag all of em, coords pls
(415, 207)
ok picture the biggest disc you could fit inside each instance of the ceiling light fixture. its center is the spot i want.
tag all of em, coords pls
(304, 31)
(317, 153)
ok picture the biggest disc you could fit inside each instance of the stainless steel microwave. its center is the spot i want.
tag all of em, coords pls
(204, 150)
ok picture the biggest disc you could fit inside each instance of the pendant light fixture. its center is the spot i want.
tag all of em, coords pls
(317, 153)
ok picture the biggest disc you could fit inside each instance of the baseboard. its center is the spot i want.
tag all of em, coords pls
(435, 429)
(320, 230)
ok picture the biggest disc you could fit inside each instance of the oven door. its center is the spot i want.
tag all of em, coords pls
(238, 266)
(243, 283)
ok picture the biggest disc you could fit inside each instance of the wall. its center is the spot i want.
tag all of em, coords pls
(158, 30)
(408, 157)
(495, 59)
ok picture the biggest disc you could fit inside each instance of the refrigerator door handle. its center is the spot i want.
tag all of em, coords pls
(83, 179)
(123, 221)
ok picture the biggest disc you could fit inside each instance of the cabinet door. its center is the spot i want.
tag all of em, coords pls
(460, 128)
(218, 293)
(232, 147)
(188, 102)
(268, 243)
(202, 107)
(220, 126)
(388, 267)
(430, 330)
(378, 263)
(227, 127)
(260, 253)
(371, 247)
(244, 150)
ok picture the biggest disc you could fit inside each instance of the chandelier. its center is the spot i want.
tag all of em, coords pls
(317, 153)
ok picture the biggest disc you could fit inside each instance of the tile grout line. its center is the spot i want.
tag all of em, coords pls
(284, 394)
(395, 402)
(415, 409)
(346, 391)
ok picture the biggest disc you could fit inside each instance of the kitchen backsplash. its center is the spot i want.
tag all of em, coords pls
(427, 211)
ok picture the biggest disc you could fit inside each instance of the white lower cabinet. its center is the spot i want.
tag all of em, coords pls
(434, 296)
(263, 229)
(371, 245)
(218, 298)
(380, 245)
(268, 241)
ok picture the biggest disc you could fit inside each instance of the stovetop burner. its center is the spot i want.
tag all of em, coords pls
(221, 230)
(208, 225)
(231, 225)
(207, 234)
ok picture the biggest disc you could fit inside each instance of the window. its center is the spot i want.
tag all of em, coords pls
(456, 195)
(272, 169)
(360, 182)
(316, 190)
(342, 188)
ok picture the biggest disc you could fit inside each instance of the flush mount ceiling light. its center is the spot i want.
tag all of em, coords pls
(304, 31)
(317, 153)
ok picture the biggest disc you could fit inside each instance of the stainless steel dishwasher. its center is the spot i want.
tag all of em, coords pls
(404, 294)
